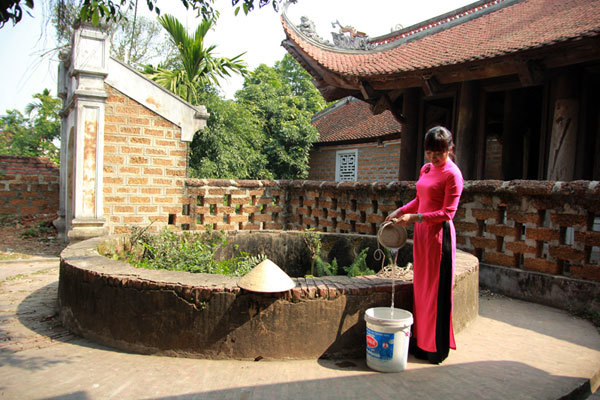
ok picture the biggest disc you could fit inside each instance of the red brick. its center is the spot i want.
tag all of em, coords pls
(523, 218)
(567, 253)
(483, 243)
(465, 226)
(587, 271)
(500, 259)
(484, 214)
(541, 265)
(568, 219)
(588, 238)
(520, 247)
(542, 234)
(501, 230)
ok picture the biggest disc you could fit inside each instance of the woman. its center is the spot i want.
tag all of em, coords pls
(439, 188)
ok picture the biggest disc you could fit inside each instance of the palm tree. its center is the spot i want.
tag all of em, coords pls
(197, 66)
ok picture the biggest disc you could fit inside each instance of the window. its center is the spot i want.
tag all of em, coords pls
(346, 165)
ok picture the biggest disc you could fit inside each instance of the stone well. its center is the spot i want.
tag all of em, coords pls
(209, 316)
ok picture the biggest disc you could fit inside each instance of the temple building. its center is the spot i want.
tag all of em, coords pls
(516, 81)
(348, 131)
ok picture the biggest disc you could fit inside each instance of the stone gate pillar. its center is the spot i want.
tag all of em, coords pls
(82, 75)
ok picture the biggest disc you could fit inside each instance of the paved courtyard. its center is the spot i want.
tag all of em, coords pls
(514, 350)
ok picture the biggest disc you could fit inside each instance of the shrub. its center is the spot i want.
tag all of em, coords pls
(359, 265)
(191, 252)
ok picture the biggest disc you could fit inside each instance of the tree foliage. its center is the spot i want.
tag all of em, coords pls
(32, 135)
(106, 11)
(230, 147)
(196, 66)
(134, 39)
(265, 133)
(11, 10)
(285, 99)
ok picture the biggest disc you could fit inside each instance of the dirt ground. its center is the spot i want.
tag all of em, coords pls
(28, 236)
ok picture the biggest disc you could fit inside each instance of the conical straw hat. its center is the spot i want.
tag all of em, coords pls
(392, 236)
(266, 277)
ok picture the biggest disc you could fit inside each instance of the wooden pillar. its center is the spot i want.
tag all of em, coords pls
(512, 141)
(596, 167)
(563, 140)
(408, 144)
(465, 136)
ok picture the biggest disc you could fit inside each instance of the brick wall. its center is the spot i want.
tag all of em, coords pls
(376, 162)
(144, 166)
(28, 185)
(530, 225)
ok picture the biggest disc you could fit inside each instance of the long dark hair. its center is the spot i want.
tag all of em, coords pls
(439, 138)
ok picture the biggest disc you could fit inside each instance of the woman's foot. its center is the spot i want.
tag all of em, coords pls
(420, 354)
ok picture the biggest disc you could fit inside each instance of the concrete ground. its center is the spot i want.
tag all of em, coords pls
(514, 350)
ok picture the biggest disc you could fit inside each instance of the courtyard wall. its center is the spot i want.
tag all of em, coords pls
(28, 185)
(541, 226)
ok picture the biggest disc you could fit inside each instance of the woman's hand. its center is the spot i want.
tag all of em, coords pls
(407, 219)
(393, 216)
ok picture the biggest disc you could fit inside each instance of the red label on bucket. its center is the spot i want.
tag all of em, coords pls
(371, 341)
(380, 345)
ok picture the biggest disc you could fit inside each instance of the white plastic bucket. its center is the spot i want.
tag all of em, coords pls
(388, 335)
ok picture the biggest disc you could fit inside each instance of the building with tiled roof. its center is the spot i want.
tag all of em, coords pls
(354, 144)
(515, 81)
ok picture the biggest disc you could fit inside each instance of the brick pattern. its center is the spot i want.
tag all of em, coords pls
(233, 205)
(145, 165)
(532, 225)
(28, 185)
(376, 162)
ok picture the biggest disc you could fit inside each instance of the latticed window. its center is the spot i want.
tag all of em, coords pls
(346, 165)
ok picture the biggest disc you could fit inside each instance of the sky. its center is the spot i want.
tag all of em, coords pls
(26, 71)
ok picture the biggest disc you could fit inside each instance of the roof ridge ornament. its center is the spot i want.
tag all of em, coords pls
(349, 38)
(308, 29)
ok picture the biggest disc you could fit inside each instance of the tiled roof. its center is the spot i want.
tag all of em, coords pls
(522, 25)
(351, 120)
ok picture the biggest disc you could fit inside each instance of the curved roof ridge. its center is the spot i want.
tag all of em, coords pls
(517, 26)
(413, 32)
(443, 21)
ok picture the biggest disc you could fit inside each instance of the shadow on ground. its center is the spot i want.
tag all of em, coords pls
(488, 379)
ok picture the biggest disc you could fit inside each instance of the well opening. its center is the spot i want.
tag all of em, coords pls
(209, 316)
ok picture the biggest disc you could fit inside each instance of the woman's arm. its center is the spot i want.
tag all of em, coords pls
(453, 190)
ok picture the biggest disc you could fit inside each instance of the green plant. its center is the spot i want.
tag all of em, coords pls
(323, 268)
(313, 241)
(6, 220)
(191, 252)
(359, 265)
(30, 232)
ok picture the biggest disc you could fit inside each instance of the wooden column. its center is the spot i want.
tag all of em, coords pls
(466, 130)
(512, 141)
(408, 144)
(563, 140)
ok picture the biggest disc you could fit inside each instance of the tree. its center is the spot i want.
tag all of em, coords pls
(196, 65)
(32, 136)
(10, 10)
(98, 11)
(285, 100)
(230, 147)
(135, 40)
